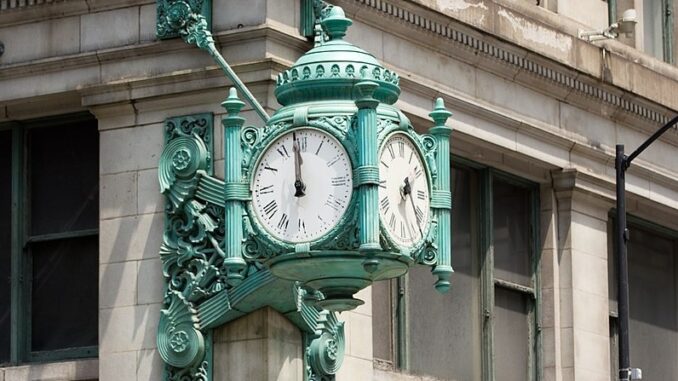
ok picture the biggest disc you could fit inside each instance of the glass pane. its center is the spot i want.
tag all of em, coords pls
(64, 175)
(65, 296)
(444, 330)
(382, 320)
(653, 330)
(652, 28)
(5, 241)
(511, 228)
(511, 335)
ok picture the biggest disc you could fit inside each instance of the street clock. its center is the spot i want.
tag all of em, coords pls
(333, 192)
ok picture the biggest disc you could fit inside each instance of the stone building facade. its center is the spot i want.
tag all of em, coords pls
(537, 114)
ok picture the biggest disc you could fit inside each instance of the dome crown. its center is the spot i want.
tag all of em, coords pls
(331, 69)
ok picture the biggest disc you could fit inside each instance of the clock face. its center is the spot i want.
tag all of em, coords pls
(302, 185)
(404, 202)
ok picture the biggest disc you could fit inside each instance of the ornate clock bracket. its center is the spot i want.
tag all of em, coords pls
(219, 263)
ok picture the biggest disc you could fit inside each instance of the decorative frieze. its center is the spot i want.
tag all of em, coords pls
(490, 50)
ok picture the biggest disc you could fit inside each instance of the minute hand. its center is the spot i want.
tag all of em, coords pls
(299, 185)
(408, 191)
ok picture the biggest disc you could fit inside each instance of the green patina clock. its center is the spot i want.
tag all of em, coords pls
(334, 192)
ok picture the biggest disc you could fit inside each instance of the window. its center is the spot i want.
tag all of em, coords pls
(653, 301)
(488, 319)
(49, 202)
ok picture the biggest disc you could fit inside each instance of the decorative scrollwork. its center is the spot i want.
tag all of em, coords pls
(174, 17)
(325, 345)
(430, 148)
(180, 343)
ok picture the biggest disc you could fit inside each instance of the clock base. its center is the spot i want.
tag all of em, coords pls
(338, 275)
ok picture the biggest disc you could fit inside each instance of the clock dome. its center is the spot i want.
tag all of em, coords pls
(331, 70)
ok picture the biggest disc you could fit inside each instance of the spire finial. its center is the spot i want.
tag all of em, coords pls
(336, 23)
(232, 104)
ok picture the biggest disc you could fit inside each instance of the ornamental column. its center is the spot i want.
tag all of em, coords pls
(367, 171)
(441, 197)
(236, 192)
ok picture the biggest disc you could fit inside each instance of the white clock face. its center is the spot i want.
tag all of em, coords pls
(404, 202)
(302, 185)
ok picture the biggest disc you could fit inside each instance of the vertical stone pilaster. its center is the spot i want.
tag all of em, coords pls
(582, 278)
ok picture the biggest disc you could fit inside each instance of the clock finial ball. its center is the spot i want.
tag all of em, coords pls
(233, 104)
(336, 23)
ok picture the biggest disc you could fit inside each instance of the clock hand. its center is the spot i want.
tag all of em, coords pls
(408, 189)
(299, 185)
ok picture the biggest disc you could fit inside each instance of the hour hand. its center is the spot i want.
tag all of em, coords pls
(407, 191)
(299, 186)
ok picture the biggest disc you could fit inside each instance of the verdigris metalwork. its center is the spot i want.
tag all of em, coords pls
(220, 260)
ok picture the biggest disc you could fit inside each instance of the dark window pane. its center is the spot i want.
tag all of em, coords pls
(511, 231)
(653, 330)
(444, 330)
(65, 293)
(511, 335)
(5, 241)
(383, 321)
(64, 174)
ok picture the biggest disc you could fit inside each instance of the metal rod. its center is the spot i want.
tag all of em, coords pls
(611, 12)
(621, 236)
(649, 141)
(211, 48)
(622, 163)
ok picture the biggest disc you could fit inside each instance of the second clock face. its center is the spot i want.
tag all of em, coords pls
(404, 202)
(302, 185)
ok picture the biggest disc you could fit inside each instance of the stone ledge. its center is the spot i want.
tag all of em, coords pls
(46, 11)
(75, 370)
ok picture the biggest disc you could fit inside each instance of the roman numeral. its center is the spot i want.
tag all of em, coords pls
(271, 169)
(334, 203)
(339, 181)
(284, 222)
(421, 195)
(302, 226)
(319, 146)
(384, 204)
(419, 214)
(402, 230)
(333, 161)
(382, 184)
(417, 172)
(284, 152)
(266, 190)
(401, 149)
(390, 151)
(413, 228)
(384, 164)
(411, 156)
(392, 221)
(270, 209)
(303, 143)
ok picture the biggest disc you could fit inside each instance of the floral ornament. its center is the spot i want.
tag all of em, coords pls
(181, 159)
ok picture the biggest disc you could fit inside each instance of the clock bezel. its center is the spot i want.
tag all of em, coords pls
(259, 231)
(416, 248)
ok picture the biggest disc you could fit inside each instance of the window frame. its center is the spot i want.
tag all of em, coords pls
(482, 217)
(632, 221)
(21, 245)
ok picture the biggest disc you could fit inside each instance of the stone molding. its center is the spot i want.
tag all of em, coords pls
(14, 12)
(466, 41)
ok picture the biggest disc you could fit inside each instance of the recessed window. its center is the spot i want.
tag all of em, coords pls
(49, 197)
(486, 323)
